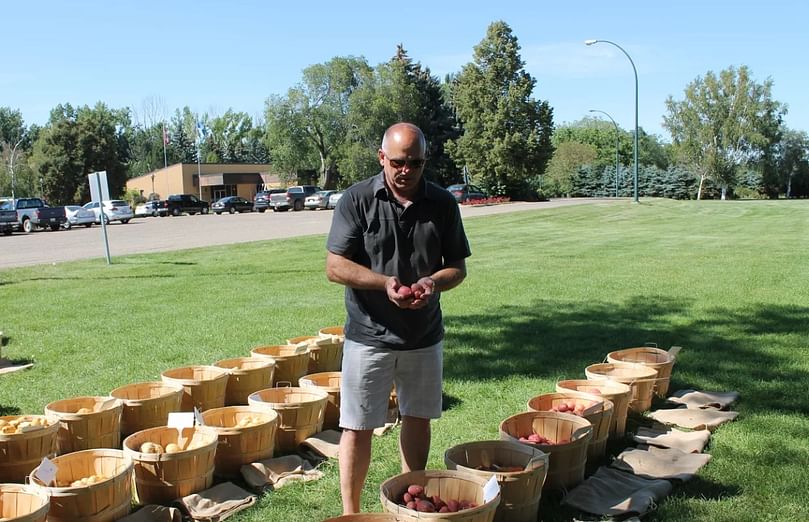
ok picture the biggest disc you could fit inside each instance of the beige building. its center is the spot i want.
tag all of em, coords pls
(217, 180)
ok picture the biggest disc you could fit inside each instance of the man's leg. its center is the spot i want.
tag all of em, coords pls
(355, 457)
(414, 443)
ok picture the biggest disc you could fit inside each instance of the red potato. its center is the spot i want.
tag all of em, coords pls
(444, 509)
(534, 437)
(411, 505)
(404, 291)
(438, 503)
(425, 506)
(453, 506)
(418, 290)
(407, 497)
(415, 490)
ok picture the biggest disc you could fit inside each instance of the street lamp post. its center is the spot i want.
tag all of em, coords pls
(635, 153)
(616, 147)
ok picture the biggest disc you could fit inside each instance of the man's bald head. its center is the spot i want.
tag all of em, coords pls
(402, 132)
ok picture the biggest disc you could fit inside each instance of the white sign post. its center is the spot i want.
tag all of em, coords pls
(99, 193)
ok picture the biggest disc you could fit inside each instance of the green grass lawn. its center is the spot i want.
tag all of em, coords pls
(548, 293)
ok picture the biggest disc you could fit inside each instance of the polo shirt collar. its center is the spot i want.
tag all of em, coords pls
(381, 188)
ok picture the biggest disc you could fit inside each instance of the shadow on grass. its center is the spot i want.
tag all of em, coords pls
(9, 410)
(550, 339)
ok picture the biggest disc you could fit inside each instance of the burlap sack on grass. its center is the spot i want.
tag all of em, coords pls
(216, 503)
(278, 472)
(651, 462)
(324, 444)
(701, 399)
(610, 492)
(694, 419)
(153, 513)
(663, 436)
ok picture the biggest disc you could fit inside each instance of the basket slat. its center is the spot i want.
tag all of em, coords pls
(300, 413)
(203, 386)
(639, 378)
(101, 428)
(289, 365)
(147, 404)
(246, 375)
(655, 358)
(241, 445)
(23, 503)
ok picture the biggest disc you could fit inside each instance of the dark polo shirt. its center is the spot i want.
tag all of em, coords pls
(373, 229)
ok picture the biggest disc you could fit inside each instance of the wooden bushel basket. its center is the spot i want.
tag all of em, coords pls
(161, 478)
(598, 411)
(300, 413)
(104, 501)
(336, 331)
(239, 445)
(22, 452)
(328, 382)
(639, 378)
(245, 376)
(616, 392)
(147, 404)
(566, 460)
(325, 353)
(520, 491)
(290, 363)
(203, 386)
(447, 484)
(653, 357)
(101, 428)
(19, 503)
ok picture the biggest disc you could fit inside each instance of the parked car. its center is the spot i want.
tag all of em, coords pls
(77, 215)
(8, 217)
(34, 213)
(293, 198)
(318, 200)
(177, 204)
(232, 204)
(114, 210)
(261, 202)
(465, 192)
(334, 198)
(150, 208)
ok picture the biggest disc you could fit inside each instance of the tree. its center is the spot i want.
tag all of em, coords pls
(311, 120)
(792, 164)
(723, 123)
(506, 140)
(399, 90)
(230, 137)
(77, 142)
(15, 146)
(567, 160)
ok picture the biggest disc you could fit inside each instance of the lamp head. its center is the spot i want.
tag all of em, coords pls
(590, 42)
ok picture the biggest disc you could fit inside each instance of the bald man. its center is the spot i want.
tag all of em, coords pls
(396, 242)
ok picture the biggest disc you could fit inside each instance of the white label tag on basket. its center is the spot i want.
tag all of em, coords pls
(491, 489)
(181, 419)
(47, 471)
(198, 417)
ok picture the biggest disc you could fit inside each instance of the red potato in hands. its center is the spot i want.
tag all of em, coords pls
(418, 290)
(404, 291)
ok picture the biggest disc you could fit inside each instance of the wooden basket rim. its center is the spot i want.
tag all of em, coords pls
(175, 388)
(114, 404)
(618, 354)
(419, 477)
(597, 382)
(136, 454)
(536, 454)
(255, 351)
(106, 453)
(263, 362)
(220, 373)
(645, 372)
(230, 430)
(319, 393)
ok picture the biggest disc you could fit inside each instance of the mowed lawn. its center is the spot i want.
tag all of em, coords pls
(548, 293)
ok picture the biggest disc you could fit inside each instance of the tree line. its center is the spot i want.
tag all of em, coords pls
(483, 123)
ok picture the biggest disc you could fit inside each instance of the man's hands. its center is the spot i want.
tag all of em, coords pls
(410, 297)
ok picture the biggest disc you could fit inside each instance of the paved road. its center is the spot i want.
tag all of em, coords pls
(176, 233)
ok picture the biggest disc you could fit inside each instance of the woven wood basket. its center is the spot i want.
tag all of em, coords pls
(147, 404)
(447, 484)
(19, 503)
(161, 478)
(104, 501)
(289, 364)
(598, 411)
(22, 452)
(203, 386)
(328, 382)
(329, 331)
(653, 357)
(325, 353)
(639, 378)
(614, 391)
(520, 491)
(245, 376)
(300, 413)
(365, 517)
(566, 460)
(101, 428)
(239, 445)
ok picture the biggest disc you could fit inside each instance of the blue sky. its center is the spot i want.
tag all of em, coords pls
(213, 56)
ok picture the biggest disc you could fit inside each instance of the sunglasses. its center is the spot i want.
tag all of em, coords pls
(412, 163)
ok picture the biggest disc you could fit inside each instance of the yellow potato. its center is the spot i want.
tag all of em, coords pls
(7, 430)
(172, 448)
(151, 447)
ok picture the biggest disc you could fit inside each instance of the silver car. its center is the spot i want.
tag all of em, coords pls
(77, 215)
(114, 210)
(334, 198)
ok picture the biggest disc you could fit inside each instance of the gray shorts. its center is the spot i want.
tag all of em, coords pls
(368, 376)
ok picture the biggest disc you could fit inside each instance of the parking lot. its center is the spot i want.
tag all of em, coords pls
(156, 234)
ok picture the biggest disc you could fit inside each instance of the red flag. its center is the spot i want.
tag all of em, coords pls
(165, 136)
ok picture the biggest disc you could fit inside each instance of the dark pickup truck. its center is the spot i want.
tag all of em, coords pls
(177, 204)
(33, 213)
(8, 217)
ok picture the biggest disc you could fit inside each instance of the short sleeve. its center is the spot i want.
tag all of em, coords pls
(345, 235)
(455, 246)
